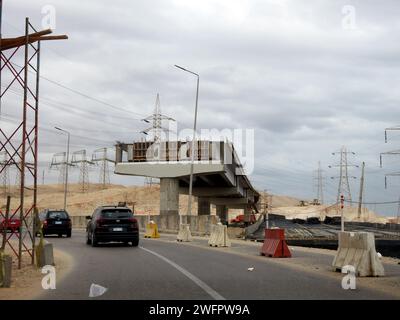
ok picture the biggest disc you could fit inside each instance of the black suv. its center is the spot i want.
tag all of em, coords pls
(112, 223)
(56, 222)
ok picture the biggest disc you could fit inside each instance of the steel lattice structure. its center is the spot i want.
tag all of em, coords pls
(79, 158)
(344, 185)
(20, 142)
(100, 155)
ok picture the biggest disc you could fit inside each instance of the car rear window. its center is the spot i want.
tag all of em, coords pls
(116, 213)
(57, 215)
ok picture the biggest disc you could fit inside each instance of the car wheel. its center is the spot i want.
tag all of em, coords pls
(88, 240)
(68, 234)
(93, 240)
(135, 242)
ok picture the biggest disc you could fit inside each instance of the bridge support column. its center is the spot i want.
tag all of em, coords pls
(169, 196)
(222, 213)
(203, 206)
(247, 214)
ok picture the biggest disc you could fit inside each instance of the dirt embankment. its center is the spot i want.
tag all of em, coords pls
(146, 200)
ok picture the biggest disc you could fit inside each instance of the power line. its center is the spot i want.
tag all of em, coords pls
(85, 95)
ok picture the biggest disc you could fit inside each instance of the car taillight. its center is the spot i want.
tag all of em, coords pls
(45, 223)
(99, 222)
(133, 221)
(69, 223)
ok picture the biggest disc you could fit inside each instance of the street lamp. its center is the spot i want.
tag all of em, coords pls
(66, 168)
(193, 141)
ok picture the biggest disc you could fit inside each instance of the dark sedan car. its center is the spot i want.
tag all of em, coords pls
(109, 224)
(56, 222)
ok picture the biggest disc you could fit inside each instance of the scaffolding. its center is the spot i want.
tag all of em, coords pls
(20, 142)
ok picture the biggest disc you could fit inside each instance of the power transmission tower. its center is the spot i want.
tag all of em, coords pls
(79, 159)
(156, 118)
(155, 130)
(59, 162)
(5, 173)
(320, 183)
(361, 190)
(344, 185)
(18, 177)
(394, 152)
(100, 156)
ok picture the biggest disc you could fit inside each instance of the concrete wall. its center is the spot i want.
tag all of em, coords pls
(199, 225)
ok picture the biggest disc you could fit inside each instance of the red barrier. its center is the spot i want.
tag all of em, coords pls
(275, 245)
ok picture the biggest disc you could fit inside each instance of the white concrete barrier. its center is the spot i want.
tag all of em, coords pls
(357, 249)
(184, 233)
(219, 236)
(44, 254)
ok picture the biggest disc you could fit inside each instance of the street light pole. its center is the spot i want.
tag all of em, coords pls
(193, 142)
(66, 168)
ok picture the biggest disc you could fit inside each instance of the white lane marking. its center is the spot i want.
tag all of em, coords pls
(214, 294)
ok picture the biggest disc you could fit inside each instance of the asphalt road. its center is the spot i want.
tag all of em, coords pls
(160, 269)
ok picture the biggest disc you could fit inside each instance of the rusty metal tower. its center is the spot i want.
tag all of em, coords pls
(20, 142)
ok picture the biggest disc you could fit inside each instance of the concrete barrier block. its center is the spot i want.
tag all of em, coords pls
(219, 236)
(5, 270)
(358, 249)
(184, 234)
(44, 254)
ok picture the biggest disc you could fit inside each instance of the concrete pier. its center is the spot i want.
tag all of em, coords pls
(169, 196)
(203, 206)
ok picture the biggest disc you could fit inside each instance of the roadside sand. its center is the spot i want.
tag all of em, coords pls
(26, 282)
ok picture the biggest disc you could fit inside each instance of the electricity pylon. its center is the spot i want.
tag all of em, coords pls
(344, 185)
(59, 162)
(79, 159)
(4, 173)
(394, 152)
(155, 130)
(320, 183)
(156, 118)
(100, 156)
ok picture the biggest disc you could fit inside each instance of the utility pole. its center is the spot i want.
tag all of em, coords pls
(341, 213)
(361, 190)
(344, 186)
(398, 213)
(193, 148)
(79, 158)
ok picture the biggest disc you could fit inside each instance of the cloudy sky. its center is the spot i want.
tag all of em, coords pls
(306, 76)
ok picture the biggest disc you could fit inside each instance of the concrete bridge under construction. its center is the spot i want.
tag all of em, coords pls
(218, 175)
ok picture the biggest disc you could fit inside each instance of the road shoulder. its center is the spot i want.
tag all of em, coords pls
(26, 282)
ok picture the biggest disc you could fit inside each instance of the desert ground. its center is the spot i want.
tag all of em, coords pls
(145, 200)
